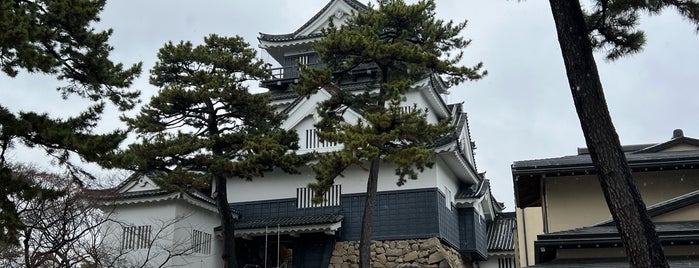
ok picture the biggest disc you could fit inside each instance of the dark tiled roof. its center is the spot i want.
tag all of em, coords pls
(663, 228)
(607, 236)
(675, 262)
(289, 221)
(461, 121)
(475, 191)
(292, 36)
(668, 144)
(500, 235)
(669, 205)
(282, 95)
(583, 162)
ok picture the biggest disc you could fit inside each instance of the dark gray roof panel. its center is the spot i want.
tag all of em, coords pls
(475, 191)
(288, 221)
(500, 234)
(606, 230)
(584, 161)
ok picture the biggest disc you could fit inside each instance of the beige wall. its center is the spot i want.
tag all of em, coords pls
(577, 201)
(529, 225)
(681, 147)
(688, 213)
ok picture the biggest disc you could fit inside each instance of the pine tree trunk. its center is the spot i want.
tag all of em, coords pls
(227, 223)
(625, 204)
(368, 219)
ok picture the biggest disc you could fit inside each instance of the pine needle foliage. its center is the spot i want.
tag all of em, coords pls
(613, 25)
(57, 38)
(405, 43)
(205, 126)
(402, 44)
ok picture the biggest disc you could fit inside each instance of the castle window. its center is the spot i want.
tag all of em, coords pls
(201, 242)
(135, 237)
(406, 109)
(303, 60)
(313, 141)
(304, 197)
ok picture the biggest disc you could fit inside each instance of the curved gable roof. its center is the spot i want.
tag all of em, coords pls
(296, 35)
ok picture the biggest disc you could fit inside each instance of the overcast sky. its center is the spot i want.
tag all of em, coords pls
(521, 110)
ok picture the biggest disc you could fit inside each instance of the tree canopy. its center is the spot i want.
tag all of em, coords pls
(401, 44)
(205, 126)
(57, 38)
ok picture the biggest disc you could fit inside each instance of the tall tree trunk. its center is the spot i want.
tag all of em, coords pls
(227, 223)
(625, 204)
(368, 219)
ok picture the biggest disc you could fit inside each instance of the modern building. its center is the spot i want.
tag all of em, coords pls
(563, 219)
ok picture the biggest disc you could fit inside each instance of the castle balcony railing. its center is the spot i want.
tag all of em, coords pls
(281, 77)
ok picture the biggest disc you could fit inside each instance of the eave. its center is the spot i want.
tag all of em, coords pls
(147, 197)
(528, 175)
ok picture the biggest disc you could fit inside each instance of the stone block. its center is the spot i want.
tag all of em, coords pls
(351, 258)
(381, 258)
(411, 256)
(339, 252)
(435, 257)
(336, 260)
(444, 264)
(394, 252)
(430, 243)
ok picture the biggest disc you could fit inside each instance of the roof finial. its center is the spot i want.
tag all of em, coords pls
(677, 133)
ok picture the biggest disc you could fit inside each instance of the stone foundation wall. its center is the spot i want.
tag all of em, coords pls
(427, 253)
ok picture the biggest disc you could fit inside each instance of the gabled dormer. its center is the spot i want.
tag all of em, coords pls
(294, 48)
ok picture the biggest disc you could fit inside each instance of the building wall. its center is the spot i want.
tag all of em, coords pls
(203, 220)
(279, 185)
(529, 225)
(498, 261)
(405, 214)
(681, 147)
(138, 215)
(397, 215)
(688, 213)
(473, 233)
(584, 193)
(171, 224)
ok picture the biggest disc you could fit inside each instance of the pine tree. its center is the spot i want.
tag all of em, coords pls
(204, 126)
(405, 43)
(57, 38)
(611, 25)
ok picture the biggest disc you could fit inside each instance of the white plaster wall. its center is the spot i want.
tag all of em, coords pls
(197, 218)
(492, 261)
(415, 97)
(278, 185)
(446, 179)
(171, 222)
(153, 214)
